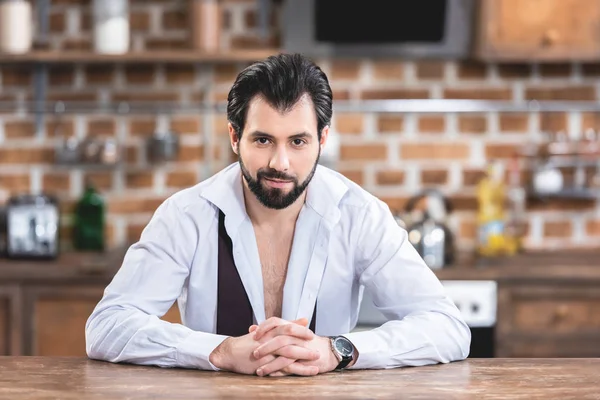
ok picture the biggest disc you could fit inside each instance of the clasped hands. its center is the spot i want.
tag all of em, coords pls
(276, 347)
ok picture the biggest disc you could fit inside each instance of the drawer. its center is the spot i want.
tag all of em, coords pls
(548, 347)
(551, 310)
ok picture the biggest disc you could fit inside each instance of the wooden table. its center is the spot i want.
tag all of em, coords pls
(80, 378)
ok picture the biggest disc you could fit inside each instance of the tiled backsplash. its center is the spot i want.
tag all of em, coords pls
(391, 155)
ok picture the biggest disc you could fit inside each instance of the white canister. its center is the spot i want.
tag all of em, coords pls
(111, 26)
(16, 26)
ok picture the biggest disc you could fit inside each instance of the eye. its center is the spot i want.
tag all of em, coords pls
(299, 142)
(262, 140)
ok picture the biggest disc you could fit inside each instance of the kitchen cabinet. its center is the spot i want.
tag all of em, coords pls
(547, 303)
(10, 320)
(538, 30)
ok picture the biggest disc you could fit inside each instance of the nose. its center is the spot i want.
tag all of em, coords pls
(279, 160)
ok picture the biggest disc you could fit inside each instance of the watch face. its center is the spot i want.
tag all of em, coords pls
(344, 347)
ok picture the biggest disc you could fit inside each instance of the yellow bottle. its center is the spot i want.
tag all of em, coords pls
(490, 217)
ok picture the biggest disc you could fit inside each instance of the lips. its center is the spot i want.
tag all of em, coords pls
(277, 183)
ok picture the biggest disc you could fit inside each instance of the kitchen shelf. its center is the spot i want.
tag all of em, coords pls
(572, 194)
(159, 56)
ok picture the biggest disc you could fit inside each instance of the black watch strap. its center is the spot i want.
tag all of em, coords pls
(345, 359)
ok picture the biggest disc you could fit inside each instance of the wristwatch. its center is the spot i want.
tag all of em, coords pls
(343, 350)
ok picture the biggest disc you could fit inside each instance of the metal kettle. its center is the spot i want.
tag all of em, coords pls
(430, 236)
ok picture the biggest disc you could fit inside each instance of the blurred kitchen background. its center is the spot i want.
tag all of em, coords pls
(476, 121)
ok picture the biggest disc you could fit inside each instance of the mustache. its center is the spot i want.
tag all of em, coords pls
(274, 174)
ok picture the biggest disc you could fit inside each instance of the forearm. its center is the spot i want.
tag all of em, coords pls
(419, 339)
(129, 335)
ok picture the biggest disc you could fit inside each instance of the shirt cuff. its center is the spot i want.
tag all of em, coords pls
(372, 353)
(194, 351)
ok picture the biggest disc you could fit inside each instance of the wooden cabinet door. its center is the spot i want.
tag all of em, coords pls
(549, 320)
(10, 321)
(538, 30)
(56, 318)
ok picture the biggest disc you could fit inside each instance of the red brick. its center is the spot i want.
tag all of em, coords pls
(561, 93)
(15, 183)
(62, 128)
(592, 228)
(555, 70)
(142, 126)
(139, 21)
(174, 19)
(430, 70)
(472, 70)
(434, 177)
(147, 96)
(503, 151)
(130, 205)
(56, 181)
(434, 151)
(182, 74)
(37, 155)
(471, 177)
(183, 124)
(514, 122)
(479, 94)
(345, 69)
(363, 152)
(385, 94)
(166, 44)
(19, 129)
(139, 179)
(558, 229)
(387, 70)
(101, 127)
(390, 177)
(181, 179)
(134, 232)
(225, 73)
(16, 76)
(514, 71)
(387, 123)
(431, 124)
(61, 75)
(350, 123)
(140, 74)
(191, 153)
(472, 124)
(102, 180)
(99, 74)
(552, 122)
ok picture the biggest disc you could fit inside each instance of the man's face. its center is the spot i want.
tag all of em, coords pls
(278, 153)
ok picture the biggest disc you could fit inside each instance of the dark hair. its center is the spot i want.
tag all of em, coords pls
(282, 80)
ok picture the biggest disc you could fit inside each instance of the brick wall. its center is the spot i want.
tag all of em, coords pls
(392, 156)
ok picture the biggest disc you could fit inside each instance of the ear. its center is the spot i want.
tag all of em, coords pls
(324, 136)
(233, 138)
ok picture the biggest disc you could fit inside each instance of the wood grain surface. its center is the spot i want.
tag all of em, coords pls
(80, 378)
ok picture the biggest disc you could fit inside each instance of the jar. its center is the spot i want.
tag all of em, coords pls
(111, 26)
(16, 26)
(206, 22)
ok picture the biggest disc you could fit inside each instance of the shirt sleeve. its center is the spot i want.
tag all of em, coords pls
(424, 326)
(125, 326)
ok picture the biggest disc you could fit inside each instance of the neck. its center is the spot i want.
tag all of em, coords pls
(262, 216)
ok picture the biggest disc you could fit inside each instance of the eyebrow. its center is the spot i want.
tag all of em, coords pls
(301, 135)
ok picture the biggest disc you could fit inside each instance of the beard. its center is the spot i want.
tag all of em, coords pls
(276, 198)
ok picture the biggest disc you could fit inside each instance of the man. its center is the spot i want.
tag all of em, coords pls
(268, 258)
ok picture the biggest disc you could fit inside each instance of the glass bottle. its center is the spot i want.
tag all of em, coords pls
(89, 220)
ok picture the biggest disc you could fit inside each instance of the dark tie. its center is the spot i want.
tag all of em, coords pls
(234, 311)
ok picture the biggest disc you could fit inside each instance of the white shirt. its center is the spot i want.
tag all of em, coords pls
(345, 240)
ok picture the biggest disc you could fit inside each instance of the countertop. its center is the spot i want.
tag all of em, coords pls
(80, 378)
(579, 265)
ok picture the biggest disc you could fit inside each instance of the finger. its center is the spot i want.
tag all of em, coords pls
(301, 369)
(252, 328)
(297, 353)
(277, 364)
(275, 344)
(274, 322)
(297, 331)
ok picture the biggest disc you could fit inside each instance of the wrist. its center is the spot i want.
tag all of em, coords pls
(218, 357)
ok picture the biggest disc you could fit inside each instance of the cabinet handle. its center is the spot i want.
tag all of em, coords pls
(550, 37)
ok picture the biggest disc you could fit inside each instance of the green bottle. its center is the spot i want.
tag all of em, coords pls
(88, 232)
